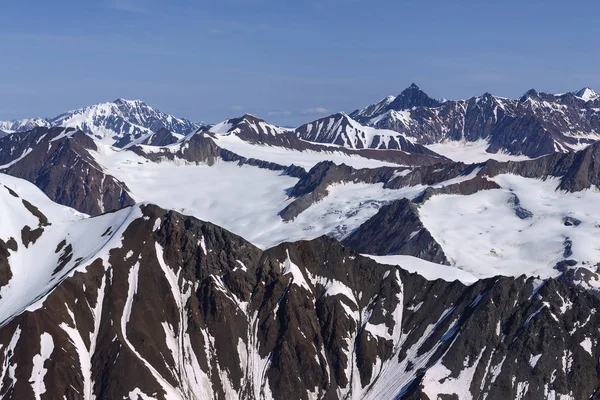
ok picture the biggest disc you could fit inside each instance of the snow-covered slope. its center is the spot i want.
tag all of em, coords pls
(587, 94)
(254, 138)
(495, 239)
(339, 129)
(306, 158)
(45, 242)
(23, 124)
(471, 152)
(248, 127)
(245, 199)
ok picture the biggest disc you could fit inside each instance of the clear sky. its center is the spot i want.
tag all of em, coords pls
(287, 61)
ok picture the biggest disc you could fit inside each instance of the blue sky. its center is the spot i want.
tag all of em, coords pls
(287, 61)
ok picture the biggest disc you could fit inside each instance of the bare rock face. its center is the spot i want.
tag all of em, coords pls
(57, 160)
(396, 229)
(162, 137)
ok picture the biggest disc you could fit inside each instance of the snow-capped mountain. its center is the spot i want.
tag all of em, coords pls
(23, 124)
(587, 94)
(341, 130)
(255, 138)
(248, 127)
(122, 121)
(336, 260)
(533, 125)
(117, 123)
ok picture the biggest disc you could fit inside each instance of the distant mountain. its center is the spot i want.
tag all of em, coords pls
(249, 128)
(339, 135)
(533, 125)
(23, 124)
(587, 94)
(340, 129)
(118, 123)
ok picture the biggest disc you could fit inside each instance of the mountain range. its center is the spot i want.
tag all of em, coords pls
(414, 248)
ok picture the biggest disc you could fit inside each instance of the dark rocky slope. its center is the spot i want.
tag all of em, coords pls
(180, 308)
(57, 160)
(396, 229)
(162, 137)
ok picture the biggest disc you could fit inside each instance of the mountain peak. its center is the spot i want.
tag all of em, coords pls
(121, 100)
(587, 94)
(530, 94)
(411, 97)
(250, 117)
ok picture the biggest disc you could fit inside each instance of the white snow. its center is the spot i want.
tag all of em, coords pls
(288, 267)
(100, 120)
(38, 371)
(171, 392)
(492, 240)
(587, 94)
(352, 134)
(471, 152)
(221, 128)
(246, 200)
(187, 367)
(426, 269)
(85, 359)
(16, 160)
(33, 277)
(137, 394)
(586, 344)
(8, 368)
(306, 159)
(438, 380)
(533, 360)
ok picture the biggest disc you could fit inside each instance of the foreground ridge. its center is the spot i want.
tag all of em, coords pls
(168, 306)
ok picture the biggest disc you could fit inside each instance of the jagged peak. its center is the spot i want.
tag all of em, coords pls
(411, 97)
(256, 124)
(530, 94)
(411, 89)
